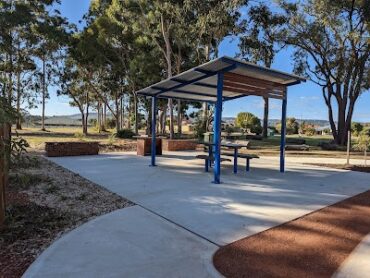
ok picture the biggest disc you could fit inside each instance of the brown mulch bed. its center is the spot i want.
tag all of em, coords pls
(357, 168)
(314, 245)
(44, 201)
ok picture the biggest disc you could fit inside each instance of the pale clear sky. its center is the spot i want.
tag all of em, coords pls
(305, 101)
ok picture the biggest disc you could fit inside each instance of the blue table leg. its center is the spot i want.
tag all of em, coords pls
(206, 165)
(247, 165)
(235, 160)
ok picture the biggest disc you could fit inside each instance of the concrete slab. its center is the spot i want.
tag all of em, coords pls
(357, 264)
(131, 242)
(244, 204)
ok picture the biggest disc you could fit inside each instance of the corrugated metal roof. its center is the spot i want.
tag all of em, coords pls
(200, 83)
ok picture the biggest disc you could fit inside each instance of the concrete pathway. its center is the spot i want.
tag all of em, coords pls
(130, 242)
(357, 265)
(244, 204)
(200, 215)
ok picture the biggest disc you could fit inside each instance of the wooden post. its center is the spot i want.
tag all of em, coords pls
(348, 146)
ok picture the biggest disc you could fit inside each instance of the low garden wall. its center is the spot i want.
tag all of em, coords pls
(54, 149)
(144, 146)
(179, 144)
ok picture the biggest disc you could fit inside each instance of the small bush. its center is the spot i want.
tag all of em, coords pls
(125, 133)
(80, 136)
(111, 139)
(111, 123)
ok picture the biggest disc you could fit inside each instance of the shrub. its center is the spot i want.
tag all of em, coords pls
(292, 126)
(307, 129)
(125, 133)
(199, 129)
(80, 136)
(111, 139)
(249, 121)
(356, 128)
(111, 123)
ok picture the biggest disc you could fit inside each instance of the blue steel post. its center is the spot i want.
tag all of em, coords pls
(283, 134)
(217, 128)
(154, 118)
(235, 160)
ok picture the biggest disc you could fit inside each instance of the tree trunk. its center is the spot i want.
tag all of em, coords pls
(149, 122)
(117, 116)
(136, 114)
(179, 118)
(265, 117)
(161, 121)
(122, 113)
(166, 37)
(83, 122)
(98, 121)
(170, 107)
(5, 139)
(43, 95)
(19, 88)
(104, 117)
(87, 113)
(2, 175)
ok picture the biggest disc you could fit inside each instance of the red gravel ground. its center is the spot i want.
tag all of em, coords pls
(314, 245)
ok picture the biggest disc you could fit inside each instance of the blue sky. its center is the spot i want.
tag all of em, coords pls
(304, 100)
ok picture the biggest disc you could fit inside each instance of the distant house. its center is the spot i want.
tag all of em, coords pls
(323, 130)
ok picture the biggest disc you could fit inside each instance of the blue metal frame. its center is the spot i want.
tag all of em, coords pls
(154, 141)
(283, 135)
(217, 129)
(206, 75)
(235, 160)
(202, 84)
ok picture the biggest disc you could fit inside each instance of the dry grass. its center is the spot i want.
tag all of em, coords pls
(37, 138)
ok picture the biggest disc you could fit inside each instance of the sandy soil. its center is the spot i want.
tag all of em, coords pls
(44, 201)
(314, 245)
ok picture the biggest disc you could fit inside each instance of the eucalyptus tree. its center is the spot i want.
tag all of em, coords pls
(331, 40)
(74, 86)
(157, 20)
(17, 22)
(102, 60)
(53, 34)
(215, 20)
(260, 41)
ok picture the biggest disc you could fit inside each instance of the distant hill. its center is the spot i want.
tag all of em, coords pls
(75, 120)
(273, 122)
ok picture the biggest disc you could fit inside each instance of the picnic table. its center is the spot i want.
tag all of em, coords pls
(235, 147)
